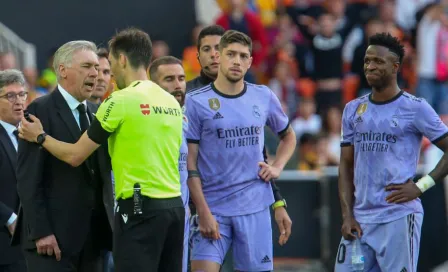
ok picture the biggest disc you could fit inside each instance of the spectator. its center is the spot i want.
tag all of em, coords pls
(307, 121)
(284, 86)
(240, 18)
(307, 153)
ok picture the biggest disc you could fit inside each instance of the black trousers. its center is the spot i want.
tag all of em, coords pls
(19, 266)
(152, 241)
(88, 260)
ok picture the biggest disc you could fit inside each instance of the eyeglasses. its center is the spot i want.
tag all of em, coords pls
(12, 97)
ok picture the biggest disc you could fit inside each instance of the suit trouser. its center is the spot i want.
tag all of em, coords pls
(152, 241)
(18, 266)
(88, 260)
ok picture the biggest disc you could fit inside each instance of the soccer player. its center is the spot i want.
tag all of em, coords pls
(227, 174)
(381, 137)
(143, 125)
(208, 57)
(169, 74)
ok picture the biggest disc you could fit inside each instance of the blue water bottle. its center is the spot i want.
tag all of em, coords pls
(357, 256)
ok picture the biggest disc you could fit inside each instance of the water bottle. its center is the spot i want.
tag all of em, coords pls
(357, 256)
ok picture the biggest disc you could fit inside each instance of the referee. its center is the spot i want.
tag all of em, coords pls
(143, 125)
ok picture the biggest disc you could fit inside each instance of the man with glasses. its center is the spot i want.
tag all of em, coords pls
(12, 100)
(65, 209)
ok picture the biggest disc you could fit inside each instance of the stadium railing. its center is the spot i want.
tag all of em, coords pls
(24, 52)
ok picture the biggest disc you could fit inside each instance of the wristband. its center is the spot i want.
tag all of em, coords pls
(193, 173)
(280, 203)
(425, 183)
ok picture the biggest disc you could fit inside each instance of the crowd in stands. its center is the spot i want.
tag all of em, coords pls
(311, 54)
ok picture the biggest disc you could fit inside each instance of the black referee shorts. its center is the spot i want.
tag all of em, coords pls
(152, 241)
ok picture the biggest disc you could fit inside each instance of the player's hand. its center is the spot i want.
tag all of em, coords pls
(30, 130)
(284, 224)
(208, 226)
(349, 226)
(268, 172)
(403, 192)
(48, 246)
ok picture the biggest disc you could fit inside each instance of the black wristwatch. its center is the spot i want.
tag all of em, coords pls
(41, 138)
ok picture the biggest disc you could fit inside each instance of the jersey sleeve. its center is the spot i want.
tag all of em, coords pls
(193, 133)
(347, 130)
(277, 120)
(428, 123)
(111, 113)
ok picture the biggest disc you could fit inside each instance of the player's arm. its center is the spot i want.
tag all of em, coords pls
(441, 169)
(194, 180)
(208, 226)
(278, 121)
(346, 176)
(345, 182)
(428, 123)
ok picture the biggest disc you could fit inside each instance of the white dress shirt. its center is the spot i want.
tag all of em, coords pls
(72, 104)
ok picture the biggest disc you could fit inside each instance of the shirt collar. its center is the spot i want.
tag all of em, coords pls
(71, 101)
(8, 127)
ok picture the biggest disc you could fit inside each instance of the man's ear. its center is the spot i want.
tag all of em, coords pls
(123, 60)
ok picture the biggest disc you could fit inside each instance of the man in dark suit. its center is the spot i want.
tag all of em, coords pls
(67, 211)
(12, 102)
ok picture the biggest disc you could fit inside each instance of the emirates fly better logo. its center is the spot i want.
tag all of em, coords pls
(145, 109)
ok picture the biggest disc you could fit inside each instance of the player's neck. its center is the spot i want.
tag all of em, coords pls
(385, 94)
(227, 87)
(135, 75)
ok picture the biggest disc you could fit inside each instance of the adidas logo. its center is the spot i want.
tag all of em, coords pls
(404, 270)
(358, 120)
(217, 116)
(265, 259)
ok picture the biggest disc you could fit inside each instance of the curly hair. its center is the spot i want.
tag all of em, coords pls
(390, 42)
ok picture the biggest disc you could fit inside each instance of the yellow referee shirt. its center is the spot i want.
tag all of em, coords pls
(145, 123)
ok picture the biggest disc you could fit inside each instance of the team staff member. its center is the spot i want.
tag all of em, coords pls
(208, 57)
(144, 126)
(169, 74)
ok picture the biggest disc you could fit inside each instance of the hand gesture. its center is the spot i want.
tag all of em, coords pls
(403, 192)
(284, 224)
(268, 172)
(349, 226)
(48, 246)
(209, 227)
(30, 130)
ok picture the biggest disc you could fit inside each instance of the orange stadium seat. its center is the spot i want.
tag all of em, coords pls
(350, 87)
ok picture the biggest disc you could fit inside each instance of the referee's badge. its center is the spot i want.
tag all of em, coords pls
(214, 104)
(361, 108)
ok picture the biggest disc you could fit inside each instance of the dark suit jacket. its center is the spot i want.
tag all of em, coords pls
(57, 198)
(9, 200)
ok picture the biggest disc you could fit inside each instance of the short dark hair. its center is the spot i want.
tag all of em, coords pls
(213, 30)
(388, 41)
(166, 60)
(233, 36)
(102, 53)
(135, 44)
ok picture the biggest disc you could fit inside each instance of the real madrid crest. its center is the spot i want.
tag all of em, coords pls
(361, 108)
(214, 104)
(256, 111)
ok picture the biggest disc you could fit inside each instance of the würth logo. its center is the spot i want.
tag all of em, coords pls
(145, 109)
(265, 259)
